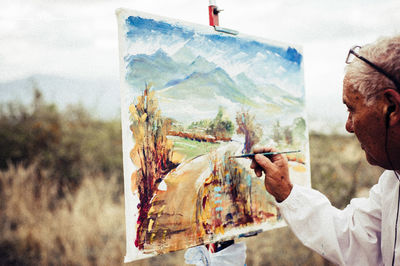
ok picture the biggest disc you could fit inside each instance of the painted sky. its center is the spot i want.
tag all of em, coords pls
(264, 63)
(196, 70)
(78, 39)
(137, 27)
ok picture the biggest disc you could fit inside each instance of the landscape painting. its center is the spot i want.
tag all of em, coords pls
(191, 98)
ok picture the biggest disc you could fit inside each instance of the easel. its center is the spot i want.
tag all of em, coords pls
(213, 12)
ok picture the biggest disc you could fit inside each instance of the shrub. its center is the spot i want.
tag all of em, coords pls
(61, 142)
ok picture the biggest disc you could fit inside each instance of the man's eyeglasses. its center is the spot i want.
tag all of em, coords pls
(353, 52)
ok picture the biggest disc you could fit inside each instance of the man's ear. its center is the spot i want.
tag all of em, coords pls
(392, 109)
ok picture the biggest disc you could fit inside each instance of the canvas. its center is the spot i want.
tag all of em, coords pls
(190, 99)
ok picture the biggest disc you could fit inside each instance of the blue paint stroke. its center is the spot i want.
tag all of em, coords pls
(253, 47)
(217, 195)
(219, 209)
(217, 189)
(173, 82)
(248, 180)
(227, 179)
(137, 26)
(218, 201)
(210, 164)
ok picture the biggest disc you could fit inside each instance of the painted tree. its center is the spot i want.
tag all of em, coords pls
(299, 130)
(248, 127)
(293, 134)
(222, 127)
(277, 132)
(152, 153)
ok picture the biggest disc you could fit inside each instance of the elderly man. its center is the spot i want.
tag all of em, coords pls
(366, 231)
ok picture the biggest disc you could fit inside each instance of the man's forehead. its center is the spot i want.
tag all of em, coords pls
(346, 100)
(347, 82)
(347, 88)
(350, 93)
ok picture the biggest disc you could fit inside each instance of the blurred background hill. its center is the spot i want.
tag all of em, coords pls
(61, 187)
(100, 95)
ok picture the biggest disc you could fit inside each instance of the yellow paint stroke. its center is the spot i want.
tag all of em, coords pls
(153, 235)
(134, 178)
(160, 211)
(151, 211)
(299, 168)
(208, 180)
(150, 225)
(177, 157)
(272, 108)
(164, 235)
(219, 230)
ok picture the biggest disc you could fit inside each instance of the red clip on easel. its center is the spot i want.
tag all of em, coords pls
(213, 12)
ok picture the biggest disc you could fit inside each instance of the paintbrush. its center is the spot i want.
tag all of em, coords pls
(251, 155)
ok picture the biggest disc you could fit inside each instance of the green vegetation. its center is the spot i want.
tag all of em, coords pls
(67, 144)
(219, 127)
(192, 148)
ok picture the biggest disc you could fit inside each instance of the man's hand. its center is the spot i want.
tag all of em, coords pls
(276, 171)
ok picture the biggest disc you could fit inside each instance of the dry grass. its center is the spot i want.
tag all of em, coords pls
(84, 229)
(87, 226)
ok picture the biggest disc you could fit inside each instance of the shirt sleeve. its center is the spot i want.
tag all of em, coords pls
(347, 237)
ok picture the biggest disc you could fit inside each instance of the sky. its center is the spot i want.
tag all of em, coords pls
(78, 39)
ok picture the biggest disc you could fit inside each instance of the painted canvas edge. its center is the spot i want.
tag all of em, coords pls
(205, 28)
(130, 219)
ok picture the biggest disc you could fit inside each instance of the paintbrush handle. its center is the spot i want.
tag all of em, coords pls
(251, 155)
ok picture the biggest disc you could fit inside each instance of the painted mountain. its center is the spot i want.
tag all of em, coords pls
(203, 85)
(192, 98)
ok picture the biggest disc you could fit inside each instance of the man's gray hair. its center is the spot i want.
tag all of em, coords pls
(385, 53)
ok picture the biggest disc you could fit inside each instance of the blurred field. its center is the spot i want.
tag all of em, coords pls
(61, 191)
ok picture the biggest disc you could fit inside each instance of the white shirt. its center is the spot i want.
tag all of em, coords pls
(361, 234)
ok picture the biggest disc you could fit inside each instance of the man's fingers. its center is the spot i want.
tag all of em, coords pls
(276, 171)
(257, 169)
(258, 172)
(253, 164)
(263, 162)
(264, 149)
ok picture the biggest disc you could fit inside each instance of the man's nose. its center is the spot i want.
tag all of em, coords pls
(349, 125)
